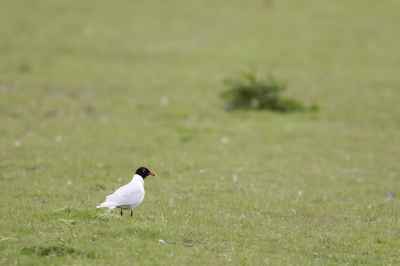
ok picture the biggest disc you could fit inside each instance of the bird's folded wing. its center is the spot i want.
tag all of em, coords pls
(126, 195)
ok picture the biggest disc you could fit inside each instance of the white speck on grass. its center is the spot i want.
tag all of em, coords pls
(161, 241)
(58, 138)
(192, 118)
(300, 192)
(17, 143)
(69, 182)
(88, 32)
(103, 120)
(132, 102)
(224, 140)
(17, 84)
(3, 88)
(201, 171)
(234, 177)
(119, 180)
(164, 101)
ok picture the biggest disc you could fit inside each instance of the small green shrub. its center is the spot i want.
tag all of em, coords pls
(60, 250)
(49, 250)
(249, 92)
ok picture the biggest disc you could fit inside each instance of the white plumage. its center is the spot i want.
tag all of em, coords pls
(129, 196)
(126, 197)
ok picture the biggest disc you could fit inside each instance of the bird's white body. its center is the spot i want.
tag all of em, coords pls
(126, 197)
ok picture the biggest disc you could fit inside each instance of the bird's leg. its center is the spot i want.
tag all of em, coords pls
(131, 213)
(121, 212)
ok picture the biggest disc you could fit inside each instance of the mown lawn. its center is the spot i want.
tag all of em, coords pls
(92, 90)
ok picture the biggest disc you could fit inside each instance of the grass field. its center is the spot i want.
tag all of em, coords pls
(92, 90)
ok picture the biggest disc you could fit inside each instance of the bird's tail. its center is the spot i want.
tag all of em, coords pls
(110, 205)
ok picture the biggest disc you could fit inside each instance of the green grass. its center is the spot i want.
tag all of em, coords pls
(81, 84)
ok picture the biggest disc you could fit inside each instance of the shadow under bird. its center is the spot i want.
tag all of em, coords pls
(129, 196)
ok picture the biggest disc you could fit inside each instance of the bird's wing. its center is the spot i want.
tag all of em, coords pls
(126, 195)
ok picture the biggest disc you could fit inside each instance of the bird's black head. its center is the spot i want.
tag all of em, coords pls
(144, 172)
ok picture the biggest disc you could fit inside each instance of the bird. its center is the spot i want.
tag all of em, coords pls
(129, 196)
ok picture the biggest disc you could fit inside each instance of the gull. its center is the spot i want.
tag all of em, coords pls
(129, 196)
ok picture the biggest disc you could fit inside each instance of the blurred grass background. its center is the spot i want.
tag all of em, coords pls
(90, 91)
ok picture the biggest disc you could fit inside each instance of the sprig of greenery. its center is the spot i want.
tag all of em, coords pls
(249, 92)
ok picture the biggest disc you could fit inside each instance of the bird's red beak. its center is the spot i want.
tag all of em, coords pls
(153, 174)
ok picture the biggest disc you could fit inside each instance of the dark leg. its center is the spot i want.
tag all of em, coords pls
(121, 212)
(131, 213)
